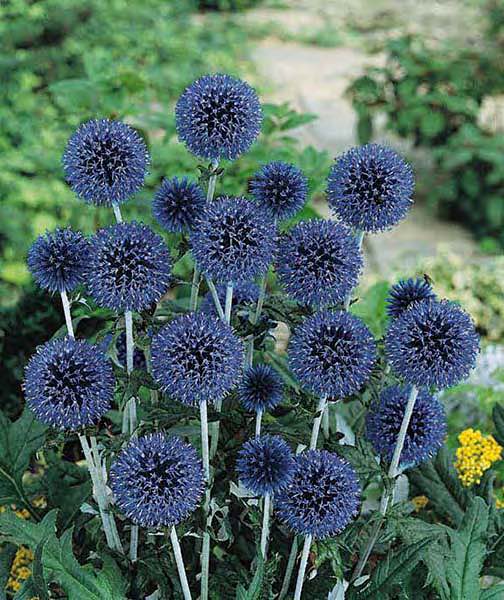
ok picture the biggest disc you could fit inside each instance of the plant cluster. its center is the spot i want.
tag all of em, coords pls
(215, 460)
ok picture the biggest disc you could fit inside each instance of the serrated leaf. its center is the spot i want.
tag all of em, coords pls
(39, 582)
(59, 562)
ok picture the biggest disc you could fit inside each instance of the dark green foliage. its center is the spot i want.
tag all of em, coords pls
(233, 5)
(433, 96)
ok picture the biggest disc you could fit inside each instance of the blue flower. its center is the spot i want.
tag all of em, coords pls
(157, 480)
(69, 384)
(177, 204)
(280, 188)
(323, 496)
(432, 343)
(218, 116)
(370, 188)
(261, 388)
(405, 292)
(426, 431)
(196, 358)
(332, 354)
(129, 267)
(138, 355)
(243, 293)
(265, 464)
(318, 262)
(58, 260)
(233, 241)
(105, 162)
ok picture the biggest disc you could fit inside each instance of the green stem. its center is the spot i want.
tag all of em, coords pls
(302, 566)
(193, 303)
(289, 569)
(265, 524)
(359, 236)
(180, 564)
(67, 313)
(20, 493)
(317, 421)
(215, 297)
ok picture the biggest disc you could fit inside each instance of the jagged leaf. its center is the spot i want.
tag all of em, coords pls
(59, 562)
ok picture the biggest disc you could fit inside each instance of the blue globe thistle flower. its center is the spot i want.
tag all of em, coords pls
(69, 384)
(370, 188)
(261, 388)
(138, 355)
(323, 496)
(243, 293)
(280, 188)
(405, 292)
(105, 162)
(233, 241)
(157, 480)
(432, 344)
(129, 267)
(426, 431)
(58, 260)
(177, 204)
(196, 358)
(332, 354)
(265, 464)
(218, 116)
(318, 262)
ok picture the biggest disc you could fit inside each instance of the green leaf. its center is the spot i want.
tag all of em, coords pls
(39, 582)
(372, 308)
(391, 571)
(59, 562)
(496, 592)
(254, 590)
(18, 441)
(498, 419)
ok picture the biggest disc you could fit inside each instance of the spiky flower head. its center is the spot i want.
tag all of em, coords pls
(318, 262)
(69, 384)
(332, 354)
(177, 204)
(323, 496)
(243, 294)
(261, 388)
(425, 434)
(129, 267)
(432, 344)
(196, 358)
(157, 480)
(218, 116)
(265, 464)
(233, 241)
(280, 188)
(105, 162)
(370, 188)
(405, 292)
(58, 260)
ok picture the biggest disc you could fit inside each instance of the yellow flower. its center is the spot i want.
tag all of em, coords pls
(476, 454)
(20, 568)
(420, 502)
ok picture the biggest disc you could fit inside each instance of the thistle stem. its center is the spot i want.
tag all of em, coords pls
(302, 566)
(67, 313)
(393, 471)
(265, 524)
(117, 213)
(205, 551)
(359, 237)
(229, 303)
(317, 421)
(255, 320)
(325, 422)
(288, 570)
(180, 564)
(258, 422)
(215, 297)
(193, 302)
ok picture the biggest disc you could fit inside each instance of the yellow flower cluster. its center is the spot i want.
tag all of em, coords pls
(22, 513)
(476, 454)
(419, 502)
(20, 568)
(499, 503)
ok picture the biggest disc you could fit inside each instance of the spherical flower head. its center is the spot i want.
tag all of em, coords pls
(405, 292)
(265, 464)
(138, 355)
(218, 116)
(370, 188)
(332, 354)
(243, 294)
(129, 267)
(475, 455)
(280, 188)
(196, 358)
(177, 204)
(323, 496)
(261, 388)
(58, 260)
(69, 384)
(105, 162)
(233, 241)
(425, 434)
(157, 480)
(432, 344)
(318, 262)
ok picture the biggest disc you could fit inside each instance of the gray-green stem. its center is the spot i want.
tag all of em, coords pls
(265, 524)
(205, 551)
(180, 564)
(215, 298)
(255, 320)
(317, 421)
(67, 313)
(117, 213)
(302, 566)
(359, 236)
(289, 569)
